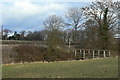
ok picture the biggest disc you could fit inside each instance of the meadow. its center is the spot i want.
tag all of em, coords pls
(94, 68)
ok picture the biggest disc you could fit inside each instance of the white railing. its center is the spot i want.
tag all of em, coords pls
(88, 53)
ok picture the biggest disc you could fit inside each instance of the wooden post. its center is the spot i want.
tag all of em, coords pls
(93, 54)
(89, 54)
(98, 53)
(75, 53)
(104, 53)
(83, 54)
(109, 53)
(80, 50)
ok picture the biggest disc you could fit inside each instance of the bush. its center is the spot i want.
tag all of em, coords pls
(7, 54)
(28, 53)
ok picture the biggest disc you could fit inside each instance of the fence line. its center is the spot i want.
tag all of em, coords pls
(88, 53)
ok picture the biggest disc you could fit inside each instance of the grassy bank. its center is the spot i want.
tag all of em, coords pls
(95, 68)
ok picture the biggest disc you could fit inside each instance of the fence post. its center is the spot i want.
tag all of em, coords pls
(83, 54)
(93, 53)
(75, 53)
(104, 53)
(89, 54)
(109, 53)
(80, 50)
(98, 53)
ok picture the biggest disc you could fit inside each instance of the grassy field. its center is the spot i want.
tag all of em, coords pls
(95, 68)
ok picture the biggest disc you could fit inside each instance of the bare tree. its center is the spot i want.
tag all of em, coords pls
(53, 22)
(53, 25)
(22, 35)
(104, 13)
(91, 32)
(74, 16)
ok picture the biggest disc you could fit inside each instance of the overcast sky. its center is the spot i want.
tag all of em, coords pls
(18, 15)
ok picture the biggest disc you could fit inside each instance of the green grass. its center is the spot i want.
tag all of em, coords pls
(95, 68)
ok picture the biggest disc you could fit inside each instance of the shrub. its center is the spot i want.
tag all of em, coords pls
(28, 53)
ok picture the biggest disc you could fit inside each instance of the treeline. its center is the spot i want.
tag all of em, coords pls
(23, 35)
